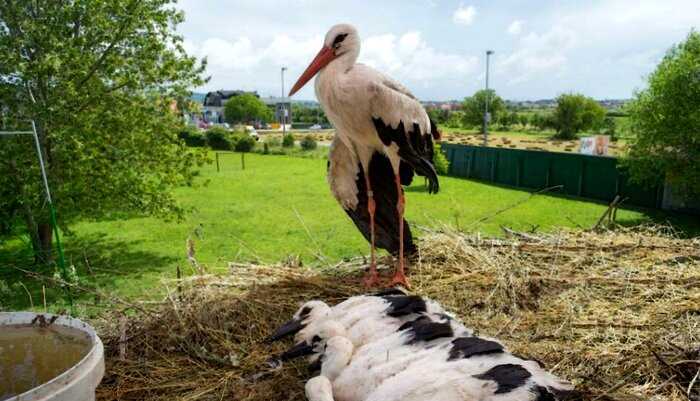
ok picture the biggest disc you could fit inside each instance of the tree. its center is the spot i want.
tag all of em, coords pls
(309, 115)
(523, 119)
(100, 79)
(456, 119)
(474, 107)
(439, 116)
(246, 108)
(609, 127)
(507, 119)
(665, 118)
(575, 113)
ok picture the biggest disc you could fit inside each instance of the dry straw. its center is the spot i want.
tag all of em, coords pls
(616, 312)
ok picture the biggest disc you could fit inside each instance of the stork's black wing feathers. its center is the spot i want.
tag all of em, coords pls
(386, 219)
(415, 149)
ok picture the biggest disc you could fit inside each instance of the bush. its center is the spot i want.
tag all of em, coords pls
(288, 141)
(442, 165)
(192, 137)
(244, 143)
(218, 139)
(273, 142)
(308, 143)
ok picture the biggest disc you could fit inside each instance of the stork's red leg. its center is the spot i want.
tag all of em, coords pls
(372, 278)
(400, 276)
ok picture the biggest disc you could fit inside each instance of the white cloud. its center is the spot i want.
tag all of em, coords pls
(538, 55)
(411, 59)
(515, 27)
(408, 58)
(464, 15)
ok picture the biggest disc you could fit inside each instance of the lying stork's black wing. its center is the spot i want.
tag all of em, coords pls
(386, 219)
(415, 149)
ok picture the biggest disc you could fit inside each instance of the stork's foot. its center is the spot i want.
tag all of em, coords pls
(371, 278)
(399, 279)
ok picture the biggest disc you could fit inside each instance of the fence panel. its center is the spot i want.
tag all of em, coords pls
(580, 175)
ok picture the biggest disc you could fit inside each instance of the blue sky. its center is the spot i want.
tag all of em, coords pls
(602, 48)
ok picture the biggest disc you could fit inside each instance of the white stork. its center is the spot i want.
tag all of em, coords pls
(383, 135)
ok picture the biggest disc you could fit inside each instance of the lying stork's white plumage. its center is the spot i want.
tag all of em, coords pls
(379, 126)
(392, 303)
(364, 320)
(475, 373)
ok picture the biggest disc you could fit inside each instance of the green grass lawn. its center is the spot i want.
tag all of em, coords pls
(279, 206)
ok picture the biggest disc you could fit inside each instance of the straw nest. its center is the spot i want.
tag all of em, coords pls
(617, 313)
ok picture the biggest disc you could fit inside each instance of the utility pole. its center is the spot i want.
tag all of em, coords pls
(487, 116)
(284, 106)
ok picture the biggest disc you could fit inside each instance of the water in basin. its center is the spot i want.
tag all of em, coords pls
(31, 356)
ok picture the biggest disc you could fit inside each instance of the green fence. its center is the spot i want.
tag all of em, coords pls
(585, 176)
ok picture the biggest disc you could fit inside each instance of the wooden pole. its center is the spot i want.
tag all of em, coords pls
(217, 162)
(242, 160)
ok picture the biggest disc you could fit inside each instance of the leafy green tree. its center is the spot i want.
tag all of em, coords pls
(474, 107)
(575, 113)
(523, 119)
(609, 127)
(246, 108)
(309, 115)
(100, 79)
(439, 116)
(455, 120)
(507, 119)
(665, 118)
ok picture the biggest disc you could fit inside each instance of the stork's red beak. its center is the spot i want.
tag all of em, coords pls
(325, 56)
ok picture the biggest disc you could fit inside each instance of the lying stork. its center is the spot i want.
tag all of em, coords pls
(383, 136)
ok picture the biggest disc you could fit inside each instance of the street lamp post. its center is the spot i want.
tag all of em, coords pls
(284, 106)
(487, 116)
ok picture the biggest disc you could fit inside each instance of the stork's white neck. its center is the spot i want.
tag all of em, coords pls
(319, 389)
(336, 357)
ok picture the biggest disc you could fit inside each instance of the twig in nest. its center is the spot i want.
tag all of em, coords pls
(122, 338)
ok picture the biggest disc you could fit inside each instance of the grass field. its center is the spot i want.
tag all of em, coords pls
(279, 207)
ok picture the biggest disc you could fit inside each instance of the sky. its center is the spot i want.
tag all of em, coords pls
(601, 48)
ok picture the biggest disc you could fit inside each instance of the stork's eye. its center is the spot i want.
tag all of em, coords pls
(315, 339)
(338, 39)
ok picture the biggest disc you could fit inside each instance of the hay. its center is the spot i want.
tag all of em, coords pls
(618, 313)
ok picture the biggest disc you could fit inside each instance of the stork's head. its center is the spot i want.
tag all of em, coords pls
(341, 43)
(308, 313)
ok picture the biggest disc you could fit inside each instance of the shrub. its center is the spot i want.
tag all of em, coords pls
(308, 143)
(218, 138)
(273, 142)
(442, 165)
(192, 137)
(244, 143)
(288, 141)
